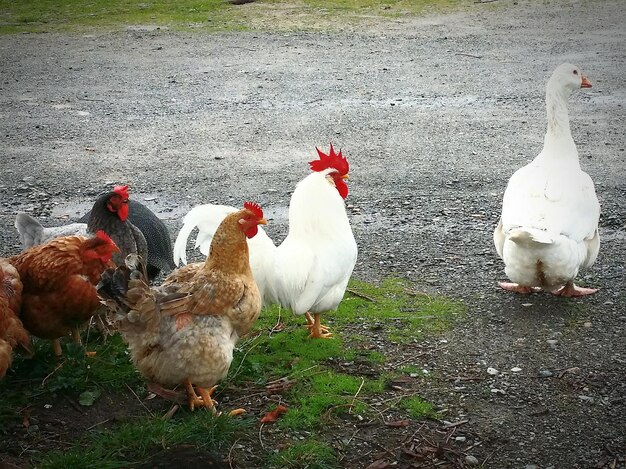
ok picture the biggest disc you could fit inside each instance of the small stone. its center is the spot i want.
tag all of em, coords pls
(516, 369)
(460, 439)
(492, 371)
(527, 304)
(545, 373)
(471, 460)
(498, 391)
(552, 342)
(587, 324)
(588, 399)
(530, 466)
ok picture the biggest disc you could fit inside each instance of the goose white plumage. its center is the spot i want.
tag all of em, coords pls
(548, 230)
(309, 271)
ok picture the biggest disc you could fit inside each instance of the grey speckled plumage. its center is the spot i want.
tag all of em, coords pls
(156, 234)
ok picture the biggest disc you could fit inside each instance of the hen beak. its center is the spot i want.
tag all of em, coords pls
(585, 83)
(262, 221)
(345, 176)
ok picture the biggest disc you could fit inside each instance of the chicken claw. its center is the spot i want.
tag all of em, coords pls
(318, 331)
(203, 400)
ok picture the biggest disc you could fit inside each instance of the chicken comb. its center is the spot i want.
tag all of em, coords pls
(122, 191)
(104, 237)
(254, 208)
(330, 160)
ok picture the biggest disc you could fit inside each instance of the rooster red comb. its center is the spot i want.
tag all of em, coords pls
(330, 160)
(254, 208)
(122, 191)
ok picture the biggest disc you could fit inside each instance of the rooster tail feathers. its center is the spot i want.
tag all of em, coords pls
(530, 236)
(29, 229)
(206, 218)
(180, 245)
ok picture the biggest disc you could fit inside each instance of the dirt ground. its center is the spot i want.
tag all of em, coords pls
(434, 114)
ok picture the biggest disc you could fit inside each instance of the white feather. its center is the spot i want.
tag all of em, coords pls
(549, 224)
(310, 269)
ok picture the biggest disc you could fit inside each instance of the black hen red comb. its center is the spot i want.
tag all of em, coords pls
(330, 160)
(122, 191)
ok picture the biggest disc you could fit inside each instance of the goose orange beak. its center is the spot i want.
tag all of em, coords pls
(585, 83)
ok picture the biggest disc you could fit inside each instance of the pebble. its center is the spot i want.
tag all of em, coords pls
(460, 439)
(516, 369)
(545, 373)
(552, 342)
(586, 398)
(471, 460)
(530, 466)
(492, 371)
(498, 391)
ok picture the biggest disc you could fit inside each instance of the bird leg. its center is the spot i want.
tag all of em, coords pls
(318, 331)
(56, 347)
(169, 394)
(570, 290)
(204, 400)
(517, 288)
(76, 335)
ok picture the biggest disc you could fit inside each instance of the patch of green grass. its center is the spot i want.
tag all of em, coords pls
(404, 314)
(132, 443)
(309, 454)
(75, 373)
(205, 15)
(417, 408)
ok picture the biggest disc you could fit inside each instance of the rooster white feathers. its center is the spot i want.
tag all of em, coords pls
(309, 271)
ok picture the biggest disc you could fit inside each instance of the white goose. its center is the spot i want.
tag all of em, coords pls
(549, 224)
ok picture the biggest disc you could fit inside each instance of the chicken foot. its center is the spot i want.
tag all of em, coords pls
(203, 400)
(318, 331)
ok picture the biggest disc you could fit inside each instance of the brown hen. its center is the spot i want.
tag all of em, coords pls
(59, 280)
(12, 332)
(184, 332)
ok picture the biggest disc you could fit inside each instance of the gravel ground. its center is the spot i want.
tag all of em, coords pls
(434, 114)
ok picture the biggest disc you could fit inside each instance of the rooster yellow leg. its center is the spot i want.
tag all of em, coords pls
(318, 331)
(570, 290)
(204, 400)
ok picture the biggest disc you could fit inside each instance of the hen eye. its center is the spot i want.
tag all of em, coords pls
(575, 72)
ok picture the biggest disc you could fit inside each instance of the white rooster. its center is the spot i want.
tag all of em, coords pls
(309, 271)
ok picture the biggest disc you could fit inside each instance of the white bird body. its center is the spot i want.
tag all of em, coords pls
(313, 264)
(548, 230)
(309, 271)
